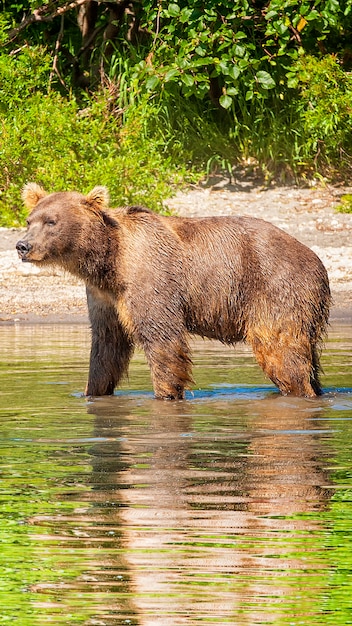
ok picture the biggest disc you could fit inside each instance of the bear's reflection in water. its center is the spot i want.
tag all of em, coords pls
(201, 516)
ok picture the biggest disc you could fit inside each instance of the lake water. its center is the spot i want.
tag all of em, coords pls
(233, 507)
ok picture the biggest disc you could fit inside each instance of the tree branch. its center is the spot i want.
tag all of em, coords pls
(55, 68)
(45, 13)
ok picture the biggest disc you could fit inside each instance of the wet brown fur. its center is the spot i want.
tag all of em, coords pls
(153, 280)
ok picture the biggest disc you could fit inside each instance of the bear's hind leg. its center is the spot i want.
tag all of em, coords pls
(293, 365)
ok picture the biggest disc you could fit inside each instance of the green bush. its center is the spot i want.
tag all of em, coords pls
(326, 111)
(199, 85)
(61, 144)
(21, 76)
(346, 204)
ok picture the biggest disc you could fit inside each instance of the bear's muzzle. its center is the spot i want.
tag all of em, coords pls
(23, 248)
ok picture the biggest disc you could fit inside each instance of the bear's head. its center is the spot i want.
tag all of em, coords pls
(59, 223)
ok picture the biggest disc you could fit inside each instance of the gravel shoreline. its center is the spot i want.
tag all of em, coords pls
(32, 295)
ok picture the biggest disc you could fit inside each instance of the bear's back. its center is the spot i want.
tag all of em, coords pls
(240, 269)
(243, 242)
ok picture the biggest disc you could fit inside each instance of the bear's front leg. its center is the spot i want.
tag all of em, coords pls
(170, 365)
(111, 348)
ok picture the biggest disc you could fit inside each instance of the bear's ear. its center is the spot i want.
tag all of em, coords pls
(31, 194)
(98, 198)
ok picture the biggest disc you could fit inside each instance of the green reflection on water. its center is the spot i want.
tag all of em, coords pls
(231, 508)
(337, 538)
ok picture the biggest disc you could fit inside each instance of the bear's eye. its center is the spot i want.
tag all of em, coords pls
(50, 222)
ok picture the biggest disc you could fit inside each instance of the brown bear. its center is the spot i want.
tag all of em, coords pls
(151, 280)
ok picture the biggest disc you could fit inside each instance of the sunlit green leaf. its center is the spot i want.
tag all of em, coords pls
(234, 72)
(225, 101)
(173, 9)
(187, 79)
(152, 82)
(171, 74)
(265, 80)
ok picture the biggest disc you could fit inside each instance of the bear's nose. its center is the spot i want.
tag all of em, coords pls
(23, 247)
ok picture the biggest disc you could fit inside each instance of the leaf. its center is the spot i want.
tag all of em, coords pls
(225, 101)
(200, 51)
(239, 51)
(242, 64)
(185, 15)
(234, 72)
(224, 67)
(187, 80)
(183, 63)
(265, 80)
(334, 6)
(173, 10)
(280, 27)
(170, 74)
(201, 62)
(270, 14)
(301, 24)
(304, 9)
(312, 15)
(292, 83)
(152, 82)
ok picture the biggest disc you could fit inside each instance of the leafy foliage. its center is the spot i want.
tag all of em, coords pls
(346, 204)
(62, 147)
(62, 144)
(326, 94)
(135, 95)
